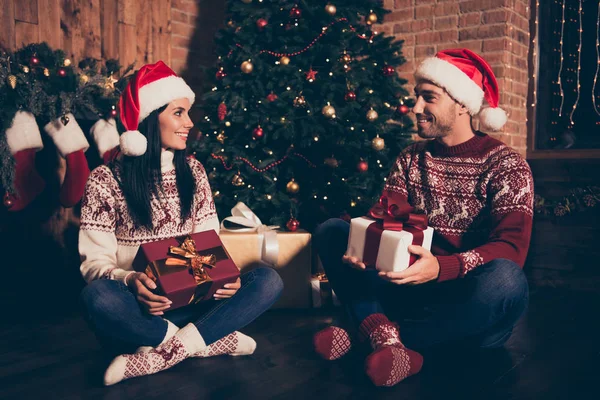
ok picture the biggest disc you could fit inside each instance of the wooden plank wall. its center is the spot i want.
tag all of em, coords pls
(130, 30)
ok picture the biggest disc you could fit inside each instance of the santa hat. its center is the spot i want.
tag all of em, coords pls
(469, 79)
(153, 86)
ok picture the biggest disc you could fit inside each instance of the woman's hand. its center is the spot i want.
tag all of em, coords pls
(140, 284)
(229, 289)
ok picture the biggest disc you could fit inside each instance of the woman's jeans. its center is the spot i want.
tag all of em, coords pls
(481, 308)
(120, 323)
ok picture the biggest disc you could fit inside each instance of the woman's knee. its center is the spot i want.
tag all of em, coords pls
(269, 281)
(102, 296)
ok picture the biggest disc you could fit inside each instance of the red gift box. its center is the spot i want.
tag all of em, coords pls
(187, 269)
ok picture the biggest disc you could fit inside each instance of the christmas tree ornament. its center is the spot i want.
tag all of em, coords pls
(378, 143)
(212, 175)
(220, 74)
(228, 123)
(84, 79)
(388, 70)
(67, 62)
(362, 166)
(221, 137)
(299, 101)
(292, 187)
(26, 69)
(65, 119)
(371, 18)
(284, 60)
(330, 9)
(246, 1)
(350, 96)
(247, 67)
(293, 224)
(113, 112)
(372, 115)
(230, 23)
(403, 109)
(221, 111)
(345, 216)
(295, 12)
(34, 60)
(237, 180)
(346, 58)
(12, 81)
(311, 75)
(331, 162)
(8, 200)
(328, 111)
(258, 132)
(272, 97)
(261, 23)
(46, 72)
(62, 73)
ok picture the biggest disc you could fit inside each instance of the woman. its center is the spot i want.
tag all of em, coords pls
(153, 191)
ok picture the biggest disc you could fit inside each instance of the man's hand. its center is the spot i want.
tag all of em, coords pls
(425, 269)
(229, 289)
(354, 262)
(140, 284)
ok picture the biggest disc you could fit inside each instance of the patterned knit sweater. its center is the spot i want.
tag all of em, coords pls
(478, 197)
(108, 238)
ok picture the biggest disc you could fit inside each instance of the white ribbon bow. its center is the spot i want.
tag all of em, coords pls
(242, 215)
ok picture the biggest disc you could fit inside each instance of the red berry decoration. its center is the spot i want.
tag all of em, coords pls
(403, 109)
(222, 111)
(258, 132)
(62, 73)
(388, 70)
(350, 96)
(35, 60)
(271, 97)
(261, 23)
(295, 12)
(362, 166)
(293, 224)
(220, 74)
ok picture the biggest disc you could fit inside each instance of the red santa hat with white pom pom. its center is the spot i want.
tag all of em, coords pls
(468, 79)
(153, 86)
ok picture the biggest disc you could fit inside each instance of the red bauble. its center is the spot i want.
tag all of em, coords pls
(113, 113)
(271, 97)
(261, 23)
(62, 72)
(388, 70)
(8, 200)
(220, 74)
(362, 166)
(346, 217)
(35, 60)
(222, 111)
(350, 96)
(403, 109)
(293, 224)
(258, 132)
(295, 12)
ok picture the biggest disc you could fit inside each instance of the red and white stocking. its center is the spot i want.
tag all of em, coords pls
(106, 136)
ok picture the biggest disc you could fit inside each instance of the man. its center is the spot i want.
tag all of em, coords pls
(478, 196)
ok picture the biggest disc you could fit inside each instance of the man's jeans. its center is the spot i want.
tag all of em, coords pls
(482, 308)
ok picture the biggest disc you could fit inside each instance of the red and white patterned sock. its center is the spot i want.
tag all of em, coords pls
(390, 362)
(234, 344)
(332, 343)
(183, 344)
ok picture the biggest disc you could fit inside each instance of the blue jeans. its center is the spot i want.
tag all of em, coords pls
(120, 323)
(482, 308)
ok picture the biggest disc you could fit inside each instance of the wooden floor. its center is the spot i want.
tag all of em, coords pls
(47, 352)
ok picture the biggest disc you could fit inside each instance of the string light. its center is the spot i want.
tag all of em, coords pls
(535, 60)
(598, 61)
(578, 65)
(562, 32)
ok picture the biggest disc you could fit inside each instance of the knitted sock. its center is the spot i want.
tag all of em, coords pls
(234, 344)
(390, 362)
(171, 330)
(332, 343)
(183, 344)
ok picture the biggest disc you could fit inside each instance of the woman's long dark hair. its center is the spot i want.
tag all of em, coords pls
(140, 177)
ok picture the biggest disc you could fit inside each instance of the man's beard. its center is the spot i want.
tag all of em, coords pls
(438, 128)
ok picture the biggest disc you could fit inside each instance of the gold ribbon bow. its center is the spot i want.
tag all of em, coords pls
(190, 258)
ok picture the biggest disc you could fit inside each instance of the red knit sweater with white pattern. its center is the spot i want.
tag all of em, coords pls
(478, 197)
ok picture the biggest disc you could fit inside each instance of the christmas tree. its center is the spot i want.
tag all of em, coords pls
(306, 113)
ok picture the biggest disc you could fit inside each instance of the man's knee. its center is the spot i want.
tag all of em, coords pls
(505, 282)
(331, 230)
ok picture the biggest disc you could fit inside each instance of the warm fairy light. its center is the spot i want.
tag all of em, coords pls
(562, 32)
(598, 59)
(578, 65)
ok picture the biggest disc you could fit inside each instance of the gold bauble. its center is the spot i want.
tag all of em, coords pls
(46, 72)
(25, 69)
(328, 111)
(284, 60)
(372, 115)
(378, 143)
(85, 78)
(371, 18)
(67, 62)
(330, 9)
(292, 187)
(299, 101)
(227, 124)
(221, 137)
(346, 58)
(237, 180)
(12, 81)
(247, 67)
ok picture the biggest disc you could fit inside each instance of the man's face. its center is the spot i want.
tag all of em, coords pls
(435, 110)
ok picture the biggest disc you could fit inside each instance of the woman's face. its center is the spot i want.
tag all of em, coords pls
(175, 124)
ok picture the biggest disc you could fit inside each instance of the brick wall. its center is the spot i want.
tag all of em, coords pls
(183, 24)
(496, 29)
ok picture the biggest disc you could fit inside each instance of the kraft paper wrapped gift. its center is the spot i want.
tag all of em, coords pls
(381, 240)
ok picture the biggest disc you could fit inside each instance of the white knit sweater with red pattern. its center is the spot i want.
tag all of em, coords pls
(108, 238)
(478, 197)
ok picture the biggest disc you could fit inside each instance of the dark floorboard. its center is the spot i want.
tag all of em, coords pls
(554, 353)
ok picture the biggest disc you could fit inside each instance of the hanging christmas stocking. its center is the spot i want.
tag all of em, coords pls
(24, 141)
(71, 143)
(106, 136)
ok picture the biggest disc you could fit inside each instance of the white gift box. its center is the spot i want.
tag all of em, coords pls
(393, 255)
